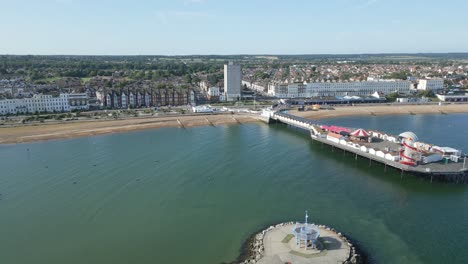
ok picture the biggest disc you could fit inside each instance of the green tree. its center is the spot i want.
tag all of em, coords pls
(392, 97)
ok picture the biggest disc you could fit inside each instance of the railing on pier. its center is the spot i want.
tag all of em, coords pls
(293, 120)
(310, 125)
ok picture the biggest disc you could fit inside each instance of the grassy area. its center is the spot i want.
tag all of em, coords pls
(322, 253)
(287, 238)
(48, 80)
(85, 80)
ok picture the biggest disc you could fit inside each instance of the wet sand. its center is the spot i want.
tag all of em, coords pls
(377, 110)
(39, 132)
(63, 130)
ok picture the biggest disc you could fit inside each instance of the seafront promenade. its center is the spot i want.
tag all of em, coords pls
(21, 133)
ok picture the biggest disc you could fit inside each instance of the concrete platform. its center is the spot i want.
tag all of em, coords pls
(280, 247)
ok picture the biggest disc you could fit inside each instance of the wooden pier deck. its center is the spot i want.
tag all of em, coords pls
(451, 172)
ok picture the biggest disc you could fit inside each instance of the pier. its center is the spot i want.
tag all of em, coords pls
(456, 172)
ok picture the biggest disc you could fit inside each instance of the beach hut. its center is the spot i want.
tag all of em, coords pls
(431, 157)
(393, 156)
(380, 154)
(371, 151)
(446, 151)
(334, 137)
(364, 149)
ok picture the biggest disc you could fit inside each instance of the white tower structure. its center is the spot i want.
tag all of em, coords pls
(408, 153)
(232, 82)
(306, 234)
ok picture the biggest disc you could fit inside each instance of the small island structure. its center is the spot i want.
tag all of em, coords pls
(300, 243)
(306, 234)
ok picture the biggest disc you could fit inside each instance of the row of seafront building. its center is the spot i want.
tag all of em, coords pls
(364, 88)
(126, 98)
(63, 102)
(109, 99)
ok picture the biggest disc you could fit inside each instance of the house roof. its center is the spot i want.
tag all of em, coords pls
(335, 135)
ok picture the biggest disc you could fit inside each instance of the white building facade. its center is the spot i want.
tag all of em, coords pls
(320, 89)
(37, 103)
(78, 101)
(213, 91)
(431, 84)
(253, 86)
(232, 82)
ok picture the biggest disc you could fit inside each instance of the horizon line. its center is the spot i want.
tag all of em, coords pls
(239, 54)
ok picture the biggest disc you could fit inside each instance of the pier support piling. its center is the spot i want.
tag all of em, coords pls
(355, 158)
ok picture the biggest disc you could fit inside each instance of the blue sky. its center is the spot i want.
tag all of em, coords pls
(170, 27)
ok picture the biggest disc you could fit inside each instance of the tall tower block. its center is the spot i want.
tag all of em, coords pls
(232, 81)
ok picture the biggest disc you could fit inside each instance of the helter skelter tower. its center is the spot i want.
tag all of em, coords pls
(408, 153)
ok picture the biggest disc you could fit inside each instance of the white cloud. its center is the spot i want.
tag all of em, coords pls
(165, 17)
(366, 4)
(162, 17)
(191, 2)
(63, 2)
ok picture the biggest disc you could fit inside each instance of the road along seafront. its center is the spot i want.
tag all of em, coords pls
(276, 244)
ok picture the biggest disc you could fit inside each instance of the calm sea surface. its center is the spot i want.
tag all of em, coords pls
(194, 196)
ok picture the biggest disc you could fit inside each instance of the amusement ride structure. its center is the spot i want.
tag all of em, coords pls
(409, 152)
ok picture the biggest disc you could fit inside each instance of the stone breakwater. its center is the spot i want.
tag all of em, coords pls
(254, 249)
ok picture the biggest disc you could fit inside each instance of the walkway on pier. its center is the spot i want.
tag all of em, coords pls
(434, 169)
(296, 121)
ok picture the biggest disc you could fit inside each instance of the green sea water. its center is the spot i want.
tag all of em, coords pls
(194, 195)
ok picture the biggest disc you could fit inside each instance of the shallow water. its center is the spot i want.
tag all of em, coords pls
(195, 195)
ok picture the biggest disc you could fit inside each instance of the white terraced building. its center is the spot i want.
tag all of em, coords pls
(316, 89)
(78, 101)
(431, 84)
(37, 103)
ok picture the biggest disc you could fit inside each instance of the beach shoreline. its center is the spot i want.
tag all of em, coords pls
(382, 110)
(65, 130)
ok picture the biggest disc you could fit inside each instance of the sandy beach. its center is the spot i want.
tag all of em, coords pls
(377, 110)
(39, 132)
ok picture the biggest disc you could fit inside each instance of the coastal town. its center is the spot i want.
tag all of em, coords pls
(209, 82)
(233, 132)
